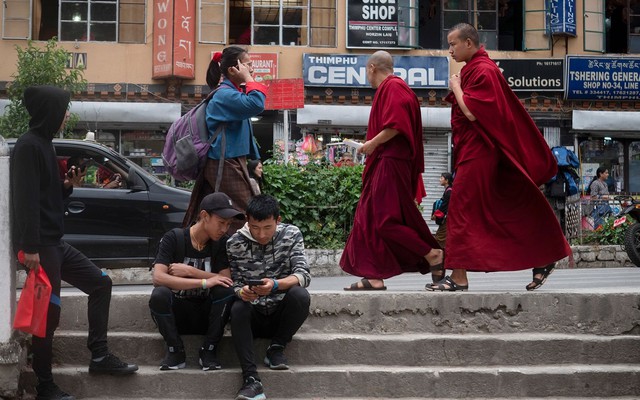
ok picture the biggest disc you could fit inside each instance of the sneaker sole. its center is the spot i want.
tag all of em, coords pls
(279, 367)
(172, 367)
(210, 367)
(258, 397)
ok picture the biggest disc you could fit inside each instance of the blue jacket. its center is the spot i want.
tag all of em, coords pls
(231, 106)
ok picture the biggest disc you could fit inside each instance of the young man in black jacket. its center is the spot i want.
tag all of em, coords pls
(37, 195)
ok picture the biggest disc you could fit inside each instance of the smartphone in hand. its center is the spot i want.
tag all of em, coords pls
(254, 282)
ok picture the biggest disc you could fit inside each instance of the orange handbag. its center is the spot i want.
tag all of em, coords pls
(31, 314)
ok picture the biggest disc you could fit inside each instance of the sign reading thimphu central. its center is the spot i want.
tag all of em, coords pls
(174, 39)
(350, 70)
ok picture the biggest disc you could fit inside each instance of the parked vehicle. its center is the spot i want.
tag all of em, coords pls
(120, 226)
(630, 208)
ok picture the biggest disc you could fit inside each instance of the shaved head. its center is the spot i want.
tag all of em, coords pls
(382, 61)
(466, 31)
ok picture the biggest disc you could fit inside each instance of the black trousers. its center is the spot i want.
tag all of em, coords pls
(177, 316)
(247, 323)
(63, 262)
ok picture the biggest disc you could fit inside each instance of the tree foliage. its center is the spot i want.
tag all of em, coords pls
(38, 65)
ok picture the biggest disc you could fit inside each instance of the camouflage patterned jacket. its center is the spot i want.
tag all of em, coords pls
(282, 257)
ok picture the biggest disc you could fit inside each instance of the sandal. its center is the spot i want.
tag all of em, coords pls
(447, 285)
(437, 270)
(545, 272)
(366, 285)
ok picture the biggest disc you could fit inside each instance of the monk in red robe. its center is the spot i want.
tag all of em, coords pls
(389, 235)
(498, 218)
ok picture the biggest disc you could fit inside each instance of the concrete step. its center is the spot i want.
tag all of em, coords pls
(360, 381)
(401, 312)
(414, 349)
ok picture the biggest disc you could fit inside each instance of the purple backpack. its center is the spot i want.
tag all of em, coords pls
(188, 142)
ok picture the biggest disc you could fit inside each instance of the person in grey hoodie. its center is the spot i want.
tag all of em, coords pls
(37, 206)
(270, 273)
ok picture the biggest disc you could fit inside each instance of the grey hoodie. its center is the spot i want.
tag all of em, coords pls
(281, 257)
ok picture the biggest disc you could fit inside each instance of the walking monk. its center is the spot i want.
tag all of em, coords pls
(498, 218)
(389, 235)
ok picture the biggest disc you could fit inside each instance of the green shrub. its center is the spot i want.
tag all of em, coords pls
(320, 200)
(606, 234)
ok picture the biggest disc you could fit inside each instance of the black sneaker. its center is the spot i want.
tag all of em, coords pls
(112, 365)
(51, 391)
(174, 359)
(275, 358)
(251, 390)
(209, 358)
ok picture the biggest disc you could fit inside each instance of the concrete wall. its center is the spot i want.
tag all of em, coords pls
(11, 352)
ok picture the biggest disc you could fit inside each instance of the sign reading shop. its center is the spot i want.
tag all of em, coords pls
(347, 70)
(533, 74)
(603, 78)
(381, 24)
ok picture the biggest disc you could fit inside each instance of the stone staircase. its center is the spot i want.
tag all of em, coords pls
(376, 345)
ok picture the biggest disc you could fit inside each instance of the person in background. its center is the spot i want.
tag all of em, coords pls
(255, 175)
(599, 191)
(237, 98)
(389, 234)
(498, 219)
(346, 160)
(37, 209)
(270, 273)
(439, 216)
(192, 291)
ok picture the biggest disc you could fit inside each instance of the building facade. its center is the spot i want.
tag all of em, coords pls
(575, 64)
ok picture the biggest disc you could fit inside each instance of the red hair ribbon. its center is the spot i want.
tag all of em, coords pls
(217, 56)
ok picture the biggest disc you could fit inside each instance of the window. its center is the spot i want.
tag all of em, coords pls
(283, 22)
(499, 22)
(213, 17)
(622, 21)
(536, 35)
(594, 25)
(82, 20)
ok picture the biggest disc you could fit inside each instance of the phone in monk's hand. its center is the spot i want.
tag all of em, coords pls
(254, 282)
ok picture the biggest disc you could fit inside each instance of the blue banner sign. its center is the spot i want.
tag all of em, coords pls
(562, 17)
(348, 70)
(601, 78)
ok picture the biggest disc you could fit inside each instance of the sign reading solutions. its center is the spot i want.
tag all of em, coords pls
(533, 74)
(348, 70)
(173, 39)
(603, 78)
(562, 17)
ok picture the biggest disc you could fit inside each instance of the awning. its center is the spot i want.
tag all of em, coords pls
(619, 121)
(121, 115)
(353, 116)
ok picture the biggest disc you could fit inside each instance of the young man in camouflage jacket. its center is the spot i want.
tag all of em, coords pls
(270, 273)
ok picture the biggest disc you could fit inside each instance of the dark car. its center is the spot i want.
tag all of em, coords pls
(120, 213)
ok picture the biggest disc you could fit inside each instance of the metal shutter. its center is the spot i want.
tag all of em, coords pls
(437, 159)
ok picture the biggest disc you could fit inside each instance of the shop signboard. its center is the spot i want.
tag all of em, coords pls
(602, 78)
(533, 74)
(350, 70)
(381, 23)
(562, 17)
(284, 94)
(265, 66)
(173, 39)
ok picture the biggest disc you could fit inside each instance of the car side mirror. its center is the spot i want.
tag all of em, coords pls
(137, 183)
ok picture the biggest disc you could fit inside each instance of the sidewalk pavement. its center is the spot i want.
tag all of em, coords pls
(577, 280)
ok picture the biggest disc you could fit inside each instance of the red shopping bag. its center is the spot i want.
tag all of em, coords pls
(31, 314)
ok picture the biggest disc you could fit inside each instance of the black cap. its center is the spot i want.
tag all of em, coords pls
(221, 205)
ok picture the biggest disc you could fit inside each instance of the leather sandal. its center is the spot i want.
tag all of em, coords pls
(447, 285)
(538, 282)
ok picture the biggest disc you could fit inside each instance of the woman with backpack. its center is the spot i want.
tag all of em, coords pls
(439, 215)
(236, 99)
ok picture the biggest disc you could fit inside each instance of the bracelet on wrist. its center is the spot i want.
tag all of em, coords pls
(275, 285)
(204, 283)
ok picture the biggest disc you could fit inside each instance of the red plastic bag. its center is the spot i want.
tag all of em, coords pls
(31, 314)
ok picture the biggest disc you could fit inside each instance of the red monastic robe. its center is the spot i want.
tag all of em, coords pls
(389, 235)
(498, 219)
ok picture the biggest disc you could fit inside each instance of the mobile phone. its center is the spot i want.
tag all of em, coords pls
(254, 282)
(79, 168)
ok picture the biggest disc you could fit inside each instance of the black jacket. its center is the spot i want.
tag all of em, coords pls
(37, 192)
